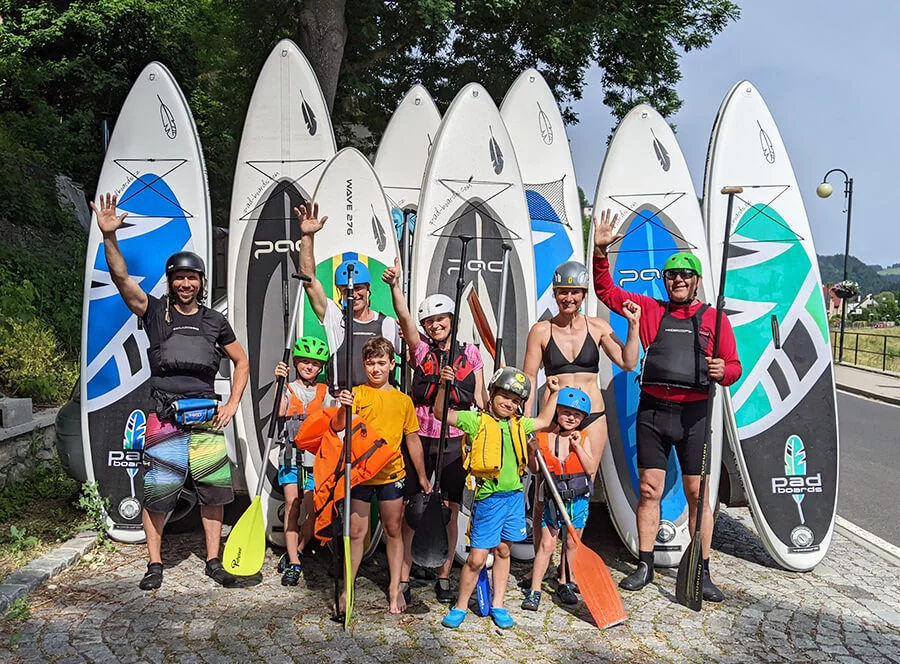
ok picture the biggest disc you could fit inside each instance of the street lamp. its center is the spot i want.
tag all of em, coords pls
(824, 191)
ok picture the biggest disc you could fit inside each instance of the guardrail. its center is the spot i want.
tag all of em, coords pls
(869, 349)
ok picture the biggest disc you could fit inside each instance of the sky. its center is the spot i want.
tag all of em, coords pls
(830, 75)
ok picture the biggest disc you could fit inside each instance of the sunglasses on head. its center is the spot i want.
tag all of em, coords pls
(683, 273)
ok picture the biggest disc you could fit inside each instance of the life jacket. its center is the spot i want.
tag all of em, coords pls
(485, 455)
(298, 411)
(369, 454)
(569, 476)
(427, 377)
(677, 356)
(191, 354)
(335, 368)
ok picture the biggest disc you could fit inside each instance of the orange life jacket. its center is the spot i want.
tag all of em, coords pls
(297, 407)
(571, 464)
(369, 454)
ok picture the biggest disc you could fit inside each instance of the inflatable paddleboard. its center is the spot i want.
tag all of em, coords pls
(360, 228)
(154, 164)
(286, 142)
(645, 180)
(782, 416)
(538, 135)
(473, 185)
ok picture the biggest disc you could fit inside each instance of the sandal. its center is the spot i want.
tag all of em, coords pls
(153, 577)
(532, 601)
(292, 574)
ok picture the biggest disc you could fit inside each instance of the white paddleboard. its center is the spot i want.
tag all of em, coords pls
(782, 415)
(473, 185)
(154, 164)
(287, 140)
(646, 181)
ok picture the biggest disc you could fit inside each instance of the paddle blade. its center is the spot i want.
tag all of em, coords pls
(430, 547)
(689, 584)
(245, 549)
(596, 584)
(348, 582)
(484, 593)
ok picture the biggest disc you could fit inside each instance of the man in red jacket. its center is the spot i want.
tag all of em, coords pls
(678, 365)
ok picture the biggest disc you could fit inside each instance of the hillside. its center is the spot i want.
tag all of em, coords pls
(869, 279)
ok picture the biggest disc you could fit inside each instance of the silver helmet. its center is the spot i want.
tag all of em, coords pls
(512, 380)
(571, 274)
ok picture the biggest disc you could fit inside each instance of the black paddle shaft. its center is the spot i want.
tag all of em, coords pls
(454, 328)
(279, 384)
(501, 319)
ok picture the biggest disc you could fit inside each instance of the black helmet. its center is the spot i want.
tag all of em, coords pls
(185, 260)
(415, 509)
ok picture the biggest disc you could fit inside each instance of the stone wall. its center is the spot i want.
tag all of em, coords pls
(26, 447)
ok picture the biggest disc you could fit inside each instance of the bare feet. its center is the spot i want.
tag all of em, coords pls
(398, 602)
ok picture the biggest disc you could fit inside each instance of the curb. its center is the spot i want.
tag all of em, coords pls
(35, 573)
(884, 398)
(867, 540)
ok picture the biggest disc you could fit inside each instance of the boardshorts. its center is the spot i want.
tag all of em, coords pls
(499, 517)
(174, 452)
(578, 509)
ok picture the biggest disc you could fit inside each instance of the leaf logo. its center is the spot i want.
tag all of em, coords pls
(496, 153)
(378, 231)
(661, 153)
(168, 120)
(766, 144)
(544, 124)
(309, 117)
(795, 465)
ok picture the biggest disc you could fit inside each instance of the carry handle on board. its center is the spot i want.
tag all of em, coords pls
(689, 583)
(245, 549)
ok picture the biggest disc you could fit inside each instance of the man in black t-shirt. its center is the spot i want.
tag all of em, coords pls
(185, 337)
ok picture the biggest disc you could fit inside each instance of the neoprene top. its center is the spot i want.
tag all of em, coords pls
(587, 360)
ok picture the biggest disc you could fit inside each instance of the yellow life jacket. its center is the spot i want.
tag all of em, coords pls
(485, 456)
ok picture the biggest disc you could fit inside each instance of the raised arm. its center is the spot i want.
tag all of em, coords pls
(310, 224)
(545, 420)
(626, 355)
(109, 223)
(391, 276)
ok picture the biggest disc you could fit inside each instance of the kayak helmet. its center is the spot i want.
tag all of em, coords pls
(360, 273)
(311, 348)
(572, 397)
(571, 274)
(435, 305)
(511, 380)
(185, 260)
(684, 261)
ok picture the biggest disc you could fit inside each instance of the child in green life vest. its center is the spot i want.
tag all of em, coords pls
(299, 399)
(496, 454)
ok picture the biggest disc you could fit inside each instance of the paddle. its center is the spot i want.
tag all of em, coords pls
(689, 583)
(592, 575)
(348, 445)
(504, 277)
(245, 548)
(481, 323)
(430, 546)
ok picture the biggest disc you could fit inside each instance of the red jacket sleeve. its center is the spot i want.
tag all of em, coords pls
(728, 352)
(610, 294)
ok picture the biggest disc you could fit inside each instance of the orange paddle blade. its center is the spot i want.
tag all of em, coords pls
(481, 324)
(596, 584)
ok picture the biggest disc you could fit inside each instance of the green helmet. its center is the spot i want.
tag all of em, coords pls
(512, 380)
(312, 348)
(684, 261)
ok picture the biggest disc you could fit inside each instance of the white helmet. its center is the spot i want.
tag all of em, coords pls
(434, 305)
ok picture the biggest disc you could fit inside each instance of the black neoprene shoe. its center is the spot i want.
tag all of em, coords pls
(153, 577)
(442, 594)
(218, 573)
(710, 592)
(638, 578)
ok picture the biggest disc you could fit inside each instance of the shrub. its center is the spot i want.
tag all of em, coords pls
(32, 364)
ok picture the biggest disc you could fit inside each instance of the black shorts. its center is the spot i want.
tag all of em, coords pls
(453, 476)
(663, 424)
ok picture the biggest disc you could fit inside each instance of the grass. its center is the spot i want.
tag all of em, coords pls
(36, 515)
(866, 346)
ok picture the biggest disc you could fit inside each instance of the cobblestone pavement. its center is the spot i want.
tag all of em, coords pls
(846, 610)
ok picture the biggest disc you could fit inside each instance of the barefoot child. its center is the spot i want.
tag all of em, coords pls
(496, 456)
(298, 400)
(392, 414)
(567, 453)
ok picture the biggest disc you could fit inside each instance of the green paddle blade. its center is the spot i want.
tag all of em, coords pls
(245, 548)
(348, 582)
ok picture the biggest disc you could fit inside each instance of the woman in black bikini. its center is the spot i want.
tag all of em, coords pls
(571, 333)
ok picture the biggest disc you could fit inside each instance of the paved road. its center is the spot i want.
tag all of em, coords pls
(870, 458)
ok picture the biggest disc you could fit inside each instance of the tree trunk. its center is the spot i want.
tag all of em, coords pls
(323, 34)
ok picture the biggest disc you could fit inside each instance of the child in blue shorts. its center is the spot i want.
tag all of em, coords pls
(496, 454)
(299, 399)
(567, 453)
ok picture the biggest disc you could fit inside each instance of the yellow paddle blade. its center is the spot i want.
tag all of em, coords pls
(245, 548)
(348, 583)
